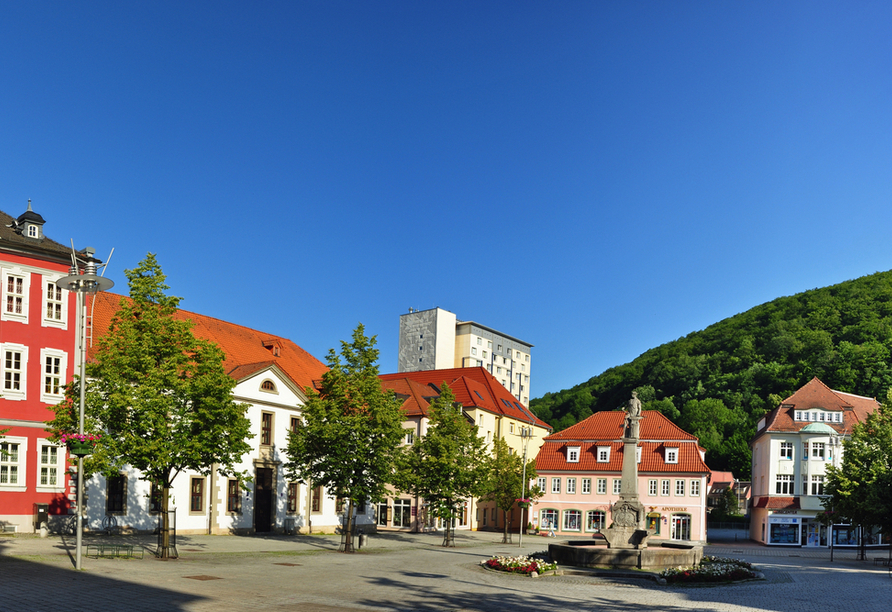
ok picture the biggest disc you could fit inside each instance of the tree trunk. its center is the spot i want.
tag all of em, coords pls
(449, 539)
(348, 528)
(506, 536)
(164, 553)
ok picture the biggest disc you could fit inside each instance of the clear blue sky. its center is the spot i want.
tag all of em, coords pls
(596, 178)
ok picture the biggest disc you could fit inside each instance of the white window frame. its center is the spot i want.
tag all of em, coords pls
(786, 450)
(571, 486)
(679, 488)
(602, 486)
(617, 486)
(19, 394)
(26, 289)
(695, 488)
(672, 455)
(785, 484)
(817, 484)
(20, 463)
(665, 487)
(542, 483)
(603, 454)
(652, 487)
(818, 451)
(573, 454)
(556, 486)
(586, 486)
(45, 396)
(58, 466)
(572, 513)
(47, 299)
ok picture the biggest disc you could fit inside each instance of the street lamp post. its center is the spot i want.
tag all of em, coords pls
(82, 283)
(525, 433)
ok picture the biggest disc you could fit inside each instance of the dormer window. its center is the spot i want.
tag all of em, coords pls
(603, 454)
(573, 454)
(33, 231)
(274, 346)
(671, 455)
(268, 386)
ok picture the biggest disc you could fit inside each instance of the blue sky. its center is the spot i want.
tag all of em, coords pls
(596, 178)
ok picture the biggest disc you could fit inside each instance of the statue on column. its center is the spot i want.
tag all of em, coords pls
(633, 409)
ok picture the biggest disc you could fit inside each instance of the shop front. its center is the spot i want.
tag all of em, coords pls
(784, 530)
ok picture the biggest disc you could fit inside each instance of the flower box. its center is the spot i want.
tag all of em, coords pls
(80, 448)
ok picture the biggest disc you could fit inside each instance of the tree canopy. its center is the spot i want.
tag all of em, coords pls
(351, 430)
(158, 395)
(505, 480)
(447, 464)
(738, 369)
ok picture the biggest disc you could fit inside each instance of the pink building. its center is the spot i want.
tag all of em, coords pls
(580, 471)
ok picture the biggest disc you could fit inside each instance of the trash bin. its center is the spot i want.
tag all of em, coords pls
(363, 539)
(41, 515)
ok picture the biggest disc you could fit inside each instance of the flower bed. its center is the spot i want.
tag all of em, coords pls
(519, 565)
(710, 569)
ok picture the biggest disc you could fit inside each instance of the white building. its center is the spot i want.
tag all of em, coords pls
(435, 340)
(792, 448)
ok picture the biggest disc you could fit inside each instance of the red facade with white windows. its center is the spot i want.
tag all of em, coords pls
(38, 326)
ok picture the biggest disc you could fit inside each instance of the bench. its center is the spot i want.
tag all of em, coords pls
(881, 561)
(108, 551)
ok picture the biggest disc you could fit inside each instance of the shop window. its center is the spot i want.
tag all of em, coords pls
(594, 520)
(572, 520)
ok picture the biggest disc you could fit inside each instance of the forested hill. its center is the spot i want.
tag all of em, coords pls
(718, 382)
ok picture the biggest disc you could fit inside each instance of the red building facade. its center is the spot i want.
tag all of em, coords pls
(38, 328)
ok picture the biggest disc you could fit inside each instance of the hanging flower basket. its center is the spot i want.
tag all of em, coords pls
(79, 445)
(523, 503)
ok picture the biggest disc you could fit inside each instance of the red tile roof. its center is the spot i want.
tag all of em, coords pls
(815, 394)
(552, 457)
(609, 425)
(243, 347)
(777, 503)
(606, 428)
(416, 397)
(473, 388)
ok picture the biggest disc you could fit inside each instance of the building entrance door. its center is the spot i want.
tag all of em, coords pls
(681, 527)
(263, 500)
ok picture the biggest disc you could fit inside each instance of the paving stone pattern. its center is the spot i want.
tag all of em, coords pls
(407, 572)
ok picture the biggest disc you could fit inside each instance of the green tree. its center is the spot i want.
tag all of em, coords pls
(447, 464)
(158, 395)
(504, 479)
(859, 489)
(351, 431)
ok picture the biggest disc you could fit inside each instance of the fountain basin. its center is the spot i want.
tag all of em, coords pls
(583, 553)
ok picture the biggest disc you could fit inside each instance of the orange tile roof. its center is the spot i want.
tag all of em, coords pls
(473, 388)
(777, 503)
(416, 397)
(609, 425)
(815, 394)
(552, 457)
(243, 347)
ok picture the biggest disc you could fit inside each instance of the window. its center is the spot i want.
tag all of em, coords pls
(316, 500)
(479, 341)
(340, 504)
(817, 485)
(785, 484)
(402, 513)
(15, 300)
(573, 454)
(266, 428)
(196, 495)
(805, 449)
(786, 450)
(292, 498)
(510, 427)
(410, 436)
(473, 350)
(603, 454)
(15, 358)
(548, 519)
(116, 495)
(508, 352)
(54, 365)
(295, 423)
(652, 487)
(572, 520)
(156, 498)
(540, 482)
(695, 488)
(586, 486)
(500, 348)
(602, 486)
(12, 463)
(817, 450)
(489, 344)
(671, 455)
(381, 514)
(617, 486)
(52, 477)
(54, 310)
(484, 354)
(594, 520)
(679, 488)
(798, 416)
(571, 486)
(268, 385)
(555, 485)
(234, 496)
(664, 488)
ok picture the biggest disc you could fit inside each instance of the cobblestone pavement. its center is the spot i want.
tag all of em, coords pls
(403, 572)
